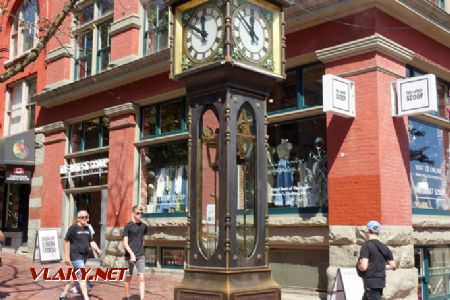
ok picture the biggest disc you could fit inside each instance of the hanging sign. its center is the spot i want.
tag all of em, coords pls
(47, 246)
(81, 168)
(338, 96)
(414, 95)
(17, 175)
(347, 285)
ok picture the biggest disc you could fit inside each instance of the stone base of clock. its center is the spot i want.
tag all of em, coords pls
(241, 285)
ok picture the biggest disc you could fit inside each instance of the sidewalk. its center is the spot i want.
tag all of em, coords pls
(16, 283)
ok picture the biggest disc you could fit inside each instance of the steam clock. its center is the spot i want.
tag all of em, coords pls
(227, 54)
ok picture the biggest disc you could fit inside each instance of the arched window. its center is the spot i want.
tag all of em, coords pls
(24, 29)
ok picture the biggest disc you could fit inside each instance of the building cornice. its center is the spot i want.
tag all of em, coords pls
(139, 69)
(371, 43)
(420, 15)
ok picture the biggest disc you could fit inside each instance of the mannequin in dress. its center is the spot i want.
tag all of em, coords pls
(284, 175)
(284, 149)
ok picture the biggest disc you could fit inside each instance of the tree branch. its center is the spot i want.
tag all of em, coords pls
(34, 52)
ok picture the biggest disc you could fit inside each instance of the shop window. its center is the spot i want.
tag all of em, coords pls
(163, 119)
(150, 257)
(301, 89)
(433, 264)
(164, 182)
(20, 108)
(93, 22)
(428, 148)
(24, 28)
(297, 164)
(156, 33)
(172, 257)
(89, 134)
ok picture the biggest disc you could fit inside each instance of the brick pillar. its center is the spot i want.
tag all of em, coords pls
(121, 177)
(125, 32)
(368, 160)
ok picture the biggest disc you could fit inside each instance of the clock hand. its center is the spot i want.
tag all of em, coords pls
(202, 21)
(247, 26)
(252, 28)
(203, 33)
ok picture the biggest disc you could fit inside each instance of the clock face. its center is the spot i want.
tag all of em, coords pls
(251, 32)
(203, 33)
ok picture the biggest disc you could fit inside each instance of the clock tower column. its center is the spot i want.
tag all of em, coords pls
(227, 54)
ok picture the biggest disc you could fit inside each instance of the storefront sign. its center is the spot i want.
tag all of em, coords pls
(347, 285)
(414, 95)
(18, 149)
(338, 96)
(18, 175)
(84, 167)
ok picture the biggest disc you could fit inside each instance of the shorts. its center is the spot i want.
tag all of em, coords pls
(78, 264)
(139, 264)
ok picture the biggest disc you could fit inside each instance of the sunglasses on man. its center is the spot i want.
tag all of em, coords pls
(83, 217)
(138, 213)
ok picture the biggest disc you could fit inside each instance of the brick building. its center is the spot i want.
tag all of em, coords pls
(111, 132)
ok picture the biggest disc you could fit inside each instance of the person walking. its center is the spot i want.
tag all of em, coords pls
(374, 259)
(77, 243)
(133, 239)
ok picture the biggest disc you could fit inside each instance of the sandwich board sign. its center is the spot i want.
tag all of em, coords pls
(47, 246)
(347, 285)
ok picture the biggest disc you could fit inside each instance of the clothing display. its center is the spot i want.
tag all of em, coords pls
(171, 190)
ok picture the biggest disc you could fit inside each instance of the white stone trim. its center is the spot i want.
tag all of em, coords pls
(56, 85)
(121, 109)
(53, 127)
(37, 181)
(126, 23)
(35, 202)
(57, 53)
(371, 43)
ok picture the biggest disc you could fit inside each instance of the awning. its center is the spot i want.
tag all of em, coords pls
(18, 149)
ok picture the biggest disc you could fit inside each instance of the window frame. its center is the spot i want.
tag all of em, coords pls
(83, 135)
(17, 34)
(299, 90)
(94, 28)
(155, 31)
(174, 266)
(183, 129)
(26, 105)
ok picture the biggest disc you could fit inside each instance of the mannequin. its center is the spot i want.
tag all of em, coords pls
(285, 177)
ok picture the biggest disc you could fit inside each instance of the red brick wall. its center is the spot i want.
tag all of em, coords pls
(51, 192)
(121, 171)
(368, 155)
(125, 44)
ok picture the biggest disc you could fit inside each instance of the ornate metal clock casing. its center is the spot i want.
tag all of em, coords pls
(245, 33)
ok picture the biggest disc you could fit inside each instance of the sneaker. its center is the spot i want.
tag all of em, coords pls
(73, 290)
(63, 298)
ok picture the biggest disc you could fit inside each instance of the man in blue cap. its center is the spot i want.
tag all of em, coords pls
(374, 259)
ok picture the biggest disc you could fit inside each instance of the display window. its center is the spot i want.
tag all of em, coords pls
(172, 257)
(428, 148)
(301, 89)
(163, 119)
(297, 164)
(150, 256)
(164, 177)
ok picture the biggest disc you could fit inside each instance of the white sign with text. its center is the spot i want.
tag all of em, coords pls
(347, 285)
(48, 245)
(414, 95)
(338, 96)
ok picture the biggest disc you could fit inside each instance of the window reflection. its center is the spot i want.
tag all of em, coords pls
(246, 181)
(208, 183)
(428, 166)
(171, 116)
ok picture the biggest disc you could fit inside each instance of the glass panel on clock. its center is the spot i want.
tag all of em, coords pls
(208, 183)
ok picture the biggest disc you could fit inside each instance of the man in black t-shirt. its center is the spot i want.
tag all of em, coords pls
(375, 259)
(133, 239)
(77, 243)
